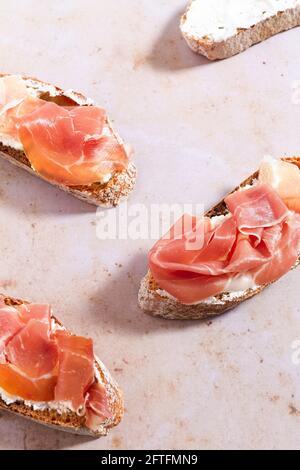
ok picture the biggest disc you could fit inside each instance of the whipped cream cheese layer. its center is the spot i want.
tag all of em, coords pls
(218, 20)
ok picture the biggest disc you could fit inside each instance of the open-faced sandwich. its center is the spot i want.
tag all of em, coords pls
(51, 376)
(219, 29)
(64, 139)
(205, 266)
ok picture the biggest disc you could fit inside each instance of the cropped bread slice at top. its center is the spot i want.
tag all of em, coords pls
(70, 421)
(243, 38)
(159, 303)
(106, 194)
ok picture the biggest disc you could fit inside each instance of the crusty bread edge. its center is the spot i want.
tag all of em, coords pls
(108, 194)
(245, 38)
(72, 423)
(158, 303)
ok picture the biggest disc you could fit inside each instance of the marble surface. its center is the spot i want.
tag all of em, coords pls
(198, 129)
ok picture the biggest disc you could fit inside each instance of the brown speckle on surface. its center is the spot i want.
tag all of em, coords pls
(274, 398)
(139, 61)
(293, 410)
(198, 129)
(117, 442)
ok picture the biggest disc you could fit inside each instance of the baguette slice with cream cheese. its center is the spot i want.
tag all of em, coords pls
(58, 416)
(219, 29)
(103, 193)
(159, 303)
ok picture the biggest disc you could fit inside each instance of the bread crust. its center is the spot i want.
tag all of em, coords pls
(244, 38)
(109, 194)
(71, 422)
(158, 303)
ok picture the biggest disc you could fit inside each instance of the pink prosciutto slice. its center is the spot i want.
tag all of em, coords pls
(42, 363)
(29, 312)
(15, 102)
(12, 92)
(284, 177)
(16, 384)
(284, 254)
(26, 357)
(32, 350)
(183, 272)
(260, 238)
(10, 324)
(97, 406)
(71, 146)
(76, 369)
(257, 208)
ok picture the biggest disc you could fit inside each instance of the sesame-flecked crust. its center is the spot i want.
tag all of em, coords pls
(244, 38)
(159, 303)
(71, 422)
(109, 194)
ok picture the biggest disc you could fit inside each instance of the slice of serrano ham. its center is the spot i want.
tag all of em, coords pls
(76, 369)
(284, 177)
(70, 146)
(263, 227)
(64, 139)
(32, 350)
(45, 366)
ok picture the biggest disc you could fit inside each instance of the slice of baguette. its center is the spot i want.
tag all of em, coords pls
(285, 19)
(107, 194)
(159, 303)
(71, 422)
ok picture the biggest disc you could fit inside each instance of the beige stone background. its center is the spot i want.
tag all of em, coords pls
(198, 129)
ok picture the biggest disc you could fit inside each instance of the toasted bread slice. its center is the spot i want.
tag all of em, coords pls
(107, 194)
(159, 303)
(70, 421)
(236, 26)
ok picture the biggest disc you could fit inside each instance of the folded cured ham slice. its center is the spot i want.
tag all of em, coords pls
(260, 239)
(29, 312)
(284, 177)
(15, 384)
(70, 146)
(45, 364)
(12, 91)
(13, 94)
(256, 208)
(32, 350)
(66, 145)
(76, 368)
(10, 324)
(97, 409)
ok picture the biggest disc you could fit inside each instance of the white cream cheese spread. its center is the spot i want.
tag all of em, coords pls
(59, 407)
(218, 20)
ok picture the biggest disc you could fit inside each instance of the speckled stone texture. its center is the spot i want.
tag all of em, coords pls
(198, 128)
